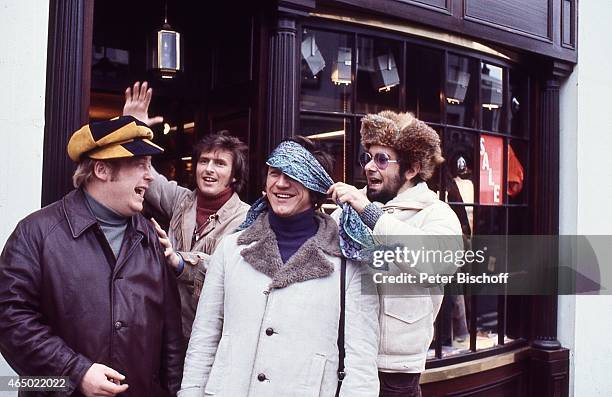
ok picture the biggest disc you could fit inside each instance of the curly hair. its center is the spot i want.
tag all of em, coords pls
(415, 141)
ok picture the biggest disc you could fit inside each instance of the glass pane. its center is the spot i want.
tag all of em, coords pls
(424, 83)
(459, 166)
(434, 183)
(359, 178)
(517, 171)
(490, 221)
(518, 104)
(491, 169)
(460, 91)
(452, 321)
(452, 326)
(518, 220)
(378, 74)
(465, 213)
(326, 71)
(491, 96)
(332, 134)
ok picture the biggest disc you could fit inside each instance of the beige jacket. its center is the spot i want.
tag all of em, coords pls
(179, 205)
(407, 318)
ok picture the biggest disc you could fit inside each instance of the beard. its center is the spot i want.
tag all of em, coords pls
(388, 191)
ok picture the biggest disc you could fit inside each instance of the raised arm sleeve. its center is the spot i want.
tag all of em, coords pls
(164, 195)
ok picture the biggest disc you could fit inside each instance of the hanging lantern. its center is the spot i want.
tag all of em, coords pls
(164, 52)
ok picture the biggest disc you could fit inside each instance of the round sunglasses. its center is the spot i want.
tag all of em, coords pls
(381, 160)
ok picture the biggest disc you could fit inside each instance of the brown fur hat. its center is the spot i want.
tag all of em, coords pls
(414, 140)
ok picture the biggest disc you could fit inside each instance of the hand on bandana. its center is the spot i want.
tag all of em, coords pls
(345, 193)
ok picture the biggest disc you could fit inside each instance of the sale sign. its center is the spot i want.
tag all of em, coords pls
(491, 169)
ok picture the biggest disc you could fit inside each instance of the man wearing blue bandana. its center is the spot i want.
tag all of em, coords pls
(268, 319)
(401, 154)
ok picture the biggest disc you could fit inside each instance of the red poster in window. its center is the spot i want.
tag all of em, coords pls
(491, 169)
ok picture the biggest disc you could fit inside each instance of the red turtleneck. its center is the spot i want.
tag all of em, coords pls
(206, 206)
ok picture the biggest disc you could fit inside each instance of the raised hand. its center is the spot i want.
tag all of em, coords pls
(137, 100)
(345, 193)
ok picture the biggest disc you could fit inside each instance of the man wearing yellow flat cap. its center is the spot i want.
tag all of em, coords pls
(84, 290)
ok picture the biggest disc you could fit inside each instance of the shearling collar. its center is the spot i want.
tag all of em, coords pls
(309, 262)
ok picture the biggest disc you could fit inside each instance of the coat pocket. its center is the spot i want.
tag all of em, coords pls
(219, 372)
(314, 378)
(407, 324)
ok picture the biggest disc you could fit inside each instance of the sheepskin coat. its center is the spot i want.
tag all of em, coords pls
(415, 218)
(264, 328)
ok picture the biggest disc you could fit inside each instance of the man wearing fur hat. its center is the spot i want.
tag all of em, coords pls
(402, 153)
(84, 290)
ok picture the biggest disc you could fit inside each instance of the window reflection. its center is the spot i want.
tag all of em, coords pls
(491, 96)
(359, 174)
(490, 221)
(459, 166)
(332, 134)
(326, 71)
(518, 220)
(518, 97)
(378, 77)
(517, 161)
(459, 92)
(424, 83)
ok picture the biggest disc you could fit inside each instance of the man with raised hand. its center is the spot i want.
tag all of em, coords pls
(201, 217)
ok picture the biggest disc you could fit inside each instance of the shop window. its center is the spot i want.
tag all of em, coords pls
(486, 313)
(518, 103)
(517, 165)
(379, 75)
(460, 91)
(326, 71)
(332, 134)
(359, 178)
(424, 83)
(491, 96)
(459, 166)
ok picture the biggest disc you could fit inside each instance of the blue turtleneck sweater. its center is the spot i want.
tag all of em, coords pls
(292, 231)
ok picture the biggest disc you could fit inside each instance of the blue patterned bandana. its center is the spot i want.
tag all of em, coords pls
(295, 161)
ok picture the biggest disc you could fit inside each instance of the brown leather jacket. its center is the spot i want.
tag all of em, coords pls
(179, 205)
(66, 302)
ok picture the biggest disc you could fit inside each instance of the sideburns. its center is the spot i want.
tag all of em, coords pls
(115, 167)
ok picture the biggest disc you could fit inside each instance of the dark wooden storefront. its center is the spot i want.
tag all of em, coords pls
(243, 75)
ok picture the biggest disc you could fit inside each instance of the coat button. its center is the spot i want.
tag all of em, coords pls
(261, 377)
(118, 324)
(270, 331)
